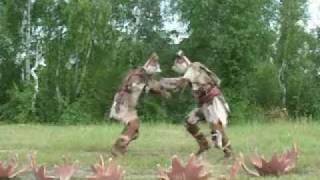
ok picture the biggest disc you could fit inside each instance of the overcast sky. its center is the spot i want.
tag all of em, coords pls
(314, 10)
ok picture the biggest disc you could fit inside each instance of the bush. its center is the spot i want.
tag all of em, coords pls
(74, 114)
(19, 107)
(265, 89)
(242, 109)
(303, 94)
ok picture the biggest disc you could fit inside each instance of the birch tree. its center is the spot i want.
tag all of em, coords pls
(291, 21)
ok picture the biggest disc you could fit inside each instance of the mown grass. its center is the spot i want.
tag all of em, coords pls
(158, 143)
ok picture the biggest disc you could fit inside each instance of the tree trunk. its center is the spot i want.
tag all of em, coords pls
(28, 43)
(57, 74)
(282, 83)
(36, 79)
(84, 70)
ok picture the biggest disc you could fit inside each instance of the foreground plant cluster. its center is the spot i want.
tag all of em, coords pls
(64, 171)
(194, 169)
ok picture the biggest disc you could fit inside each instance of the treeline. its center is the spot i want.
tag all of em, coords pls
(61, 61)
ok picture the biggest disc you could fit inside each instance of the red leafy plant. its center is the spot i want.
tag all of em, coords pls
(234, 170)
(66, 170)
(62, 172)
(278, 165)
(193, 170)
(111, 172)
(39, 172)
(8, 170)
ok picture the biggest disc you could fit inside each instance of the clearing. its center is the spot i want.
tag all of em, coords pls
(158, 143)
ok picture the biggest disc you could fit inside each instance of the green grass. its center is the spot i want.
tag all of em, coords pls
(158, 142)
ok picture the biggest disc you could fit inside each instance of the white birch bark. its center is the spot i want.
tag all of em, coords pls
(84, 70)
(76, 77)
(21, 56)
(282, 84)
(28, 43)
(39, 61)
(58, 92)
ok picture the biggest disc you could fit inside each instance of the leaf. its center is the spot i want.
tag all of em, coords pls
(235, 168)
(278, 165)
(9, 170)
(39, 172)
(193, 170)
(111, 172)
(65, 171)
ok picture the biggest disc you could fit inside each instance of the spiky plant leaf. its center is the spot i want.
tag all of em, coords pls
(193, 170)
(111, 172)
(8, 171)
(278, 165)
(39, 172)
(66, 170)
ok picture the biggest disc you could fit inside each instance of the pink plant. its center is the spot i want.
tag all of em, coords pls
(62, 172)
(8, 170)
(193, 170)
(278, 165)
(66, 170)
(235, 168)
(111, 172)
(39, 172)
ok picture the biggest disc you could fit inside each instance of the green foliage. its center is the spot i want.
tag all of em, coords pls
(89, 46)
(229, 36)
(265, 87)
(74, 114)
(18, 108)
(303, 98)
(243, 110)
(151, 110)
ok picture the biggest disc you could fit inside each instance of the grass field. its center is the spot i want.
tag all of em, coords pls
(158, 142)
